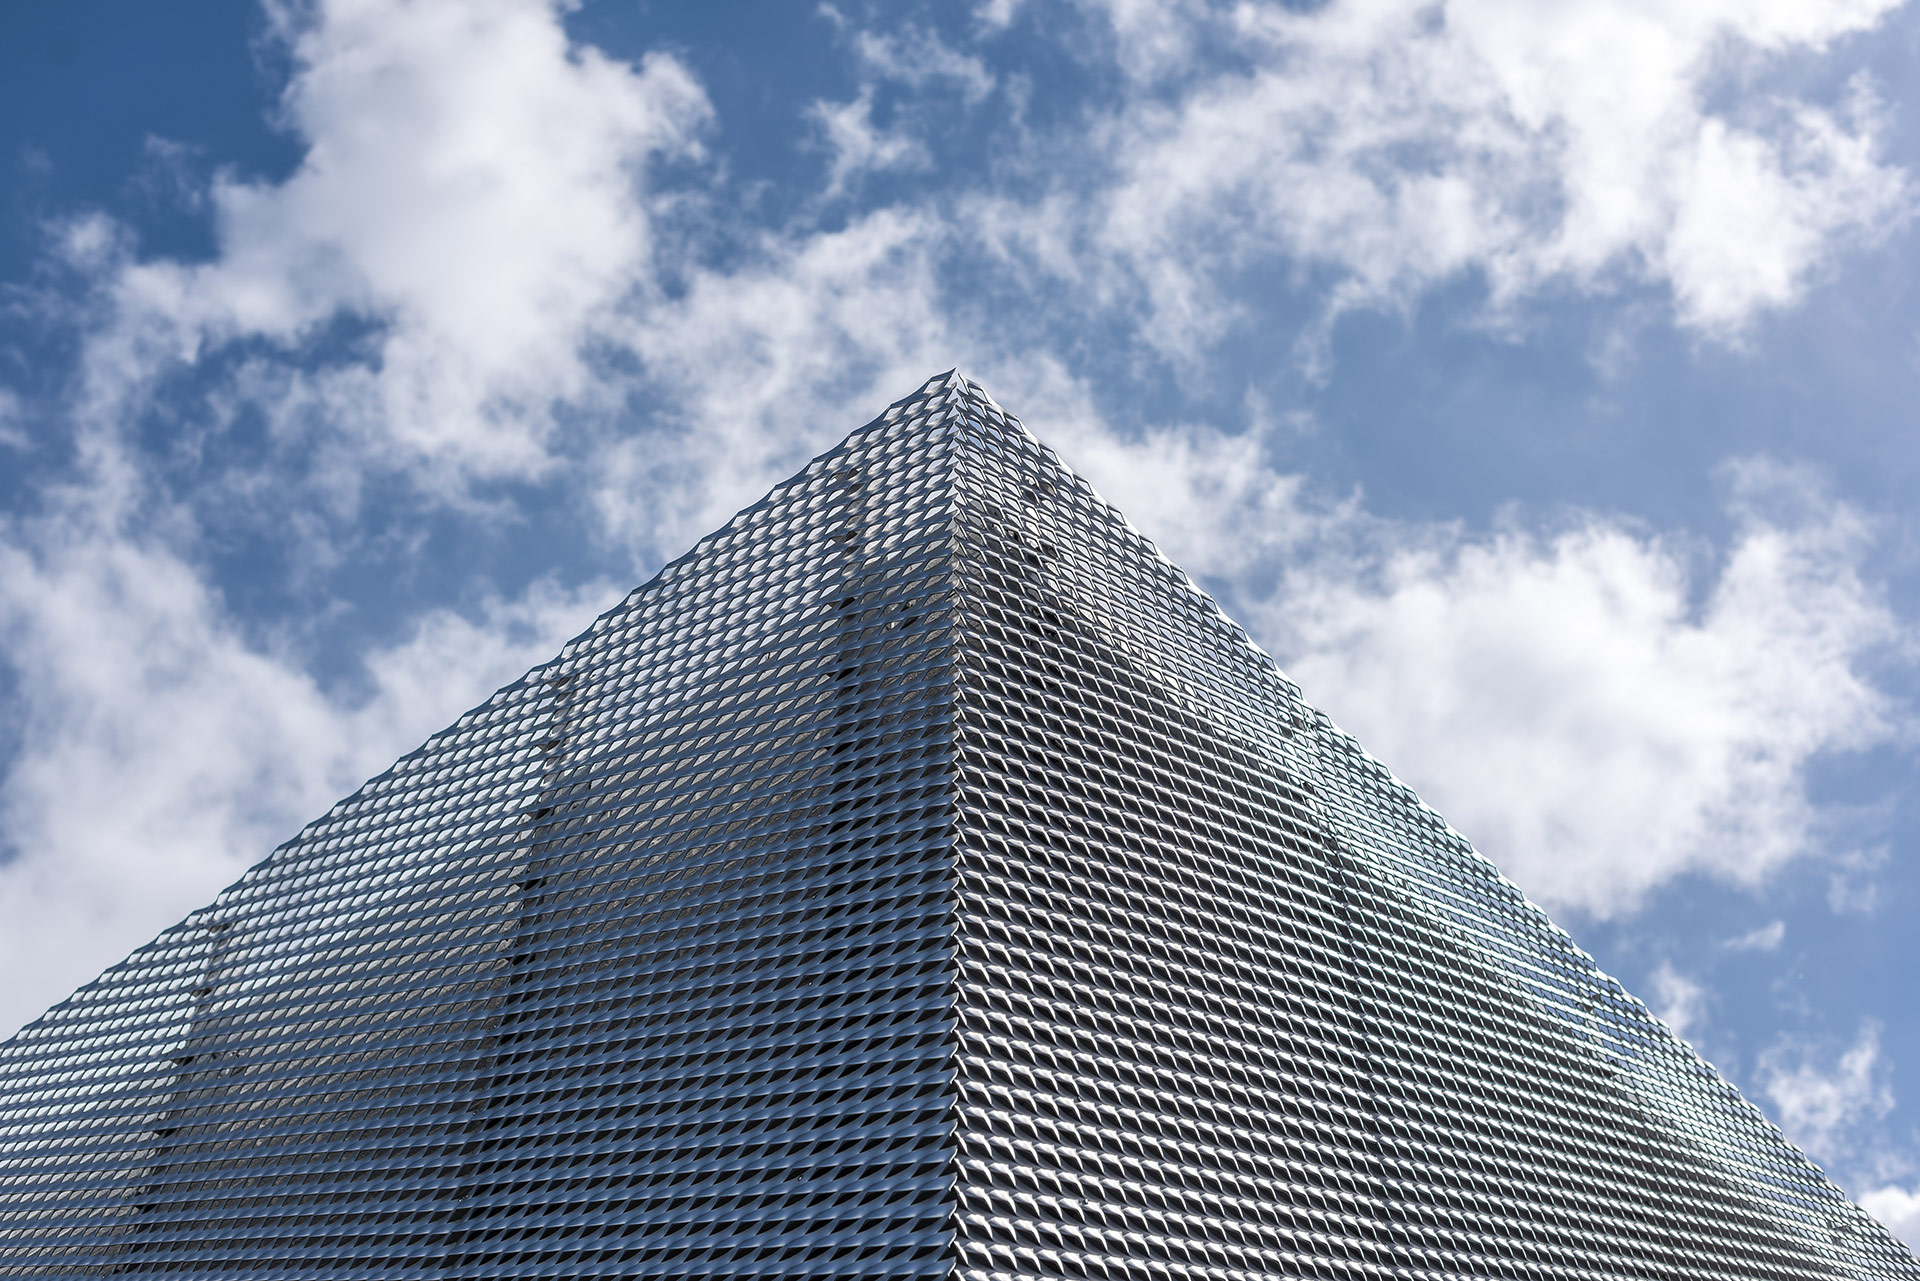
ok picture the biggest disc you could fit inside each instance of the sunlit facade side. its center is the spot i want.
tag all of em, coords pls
(920, 877)
(1234, 1002)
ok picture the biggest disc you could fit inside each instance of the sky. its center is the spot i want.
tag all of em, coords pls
(1534, 382)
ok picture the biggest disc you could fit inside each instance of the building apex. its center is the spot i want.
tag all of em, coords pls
(919, 879)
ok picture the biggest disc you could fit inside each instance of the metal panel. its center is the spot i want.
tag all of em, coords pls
(921, 877)
(1235, 1003)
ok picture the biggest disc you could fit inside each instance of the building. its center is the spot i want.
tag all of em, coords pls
(919, 878)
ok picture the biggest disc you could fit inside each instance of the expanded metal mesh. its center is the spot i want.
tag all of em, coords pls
(1235, 1003)
(921, 877)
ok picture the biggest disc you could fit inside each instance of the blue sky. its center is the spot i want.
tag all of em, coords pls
(1534, 381)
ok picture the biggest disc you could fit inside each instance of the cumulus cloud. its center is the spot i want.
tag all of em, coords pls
(472, 222)
(817, 331)
(159, 750)
(1677, 999)
(759, 366)
(1602, 709)
(1822, 1104)
(1633, 715)
(1897, 1208)
(1386, 147)
(1594, 714)
(471, 193)
(1199, 492)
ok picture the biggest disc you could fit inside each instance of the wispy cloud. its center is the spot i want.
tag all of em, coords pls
(1824, 1103)
(917, 56)
(913, 58)
(858, 146)
(1854, 884)
(1763, 938)
(13, 431)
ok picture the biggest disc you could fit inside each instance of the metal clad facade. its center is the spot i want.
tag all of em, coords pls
(1234, 1003)
(641, 968)
(919, 878)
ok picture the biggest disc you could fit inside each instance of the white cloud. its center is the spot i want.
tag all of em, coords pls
(13, 433)
(996, 15)
(471, 187)
(1677, 999)
(160, 750)
(1853, 885)
(1567, 704)
(819, 331)
(1196, 491)
(1898, 1210)
(1384, 147)
(762, 365)
(1600, 719)
(1599, 711)
(1764, 938)
(859, 147)
(916, 56)
(1153, 38)
(1597, 714)
(1822, 1106)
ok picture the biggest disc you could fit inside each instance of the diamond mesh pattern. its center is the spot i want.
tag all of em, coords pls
(920, 877)
(641, 968)
(1235, 1003)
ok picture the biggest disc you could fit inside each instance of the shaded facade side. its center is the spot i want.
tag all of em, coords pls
(643, 968)
(1233, 1002)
